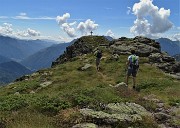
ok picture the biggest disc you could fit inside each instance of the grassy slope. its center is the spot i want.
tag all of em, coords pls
(73, 88)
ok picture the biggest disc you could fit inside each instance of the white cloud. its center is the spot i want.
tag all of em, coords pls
(176, 37)
(178, 28)
(63, 19)
(159, 22)
(66, 27)
(6, 29)
(69, 30)
(23, 16)
(110, 33)
(129, 10)
(32, 32)
(28, 33)
(73, 23)
(87, 26)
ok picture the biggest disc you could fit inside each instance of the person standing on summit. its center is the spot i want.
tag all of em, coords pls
(132, 66)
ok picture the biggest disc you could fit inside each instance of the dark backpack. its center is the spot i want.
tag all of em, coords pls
(99, 54)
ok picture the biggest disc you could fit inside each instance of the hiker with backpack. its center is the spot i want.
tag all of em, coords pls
(133, 66)
(98, 54)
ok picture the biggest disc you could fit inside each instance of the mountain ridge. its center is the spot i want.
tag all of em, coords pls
(18, 49)
(44, 57)
(11, 70)
(71, 94)
(169, 46)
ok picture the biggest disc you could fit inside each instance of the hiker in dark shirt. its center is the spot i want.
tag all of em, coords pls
(98, 54)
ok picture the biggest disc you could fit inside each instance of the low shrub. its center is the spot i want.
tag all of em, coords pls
(12, 102)
(49, 105)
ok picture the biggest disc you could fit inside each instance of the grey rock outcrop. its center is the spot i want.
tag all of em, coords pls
(143, 46)
(116, 113)
(146, 47)
(85, 125)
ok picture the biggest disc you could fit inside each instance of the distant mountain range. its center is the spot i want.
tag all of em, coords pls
(32, 54)
(17, 49)
(169, 46)
(44, 57)
(177, 57)
(4, 59)
(11, 70)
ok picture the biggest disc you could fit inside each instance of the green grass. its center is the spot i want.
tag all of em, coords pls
(74, 88)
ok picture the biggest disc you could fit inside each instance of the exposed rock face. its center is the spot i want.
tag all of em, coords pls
(165, 62)
(82, 46)
(116, 113)
(162, 114)
(146, 47)
(143, 46)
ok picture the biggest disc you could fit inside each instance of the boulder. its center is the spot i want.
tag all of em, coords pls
(86, 66)
(85, 125)
(162, 117)
(45, 84)
(116, 113)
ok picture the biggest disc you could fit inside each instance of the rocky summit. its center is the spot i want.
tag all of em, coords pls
(73, 94)
(143, 46)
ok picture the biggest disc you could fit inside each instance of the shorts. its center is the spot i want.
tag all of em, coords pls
(98, 61)
(131, 72)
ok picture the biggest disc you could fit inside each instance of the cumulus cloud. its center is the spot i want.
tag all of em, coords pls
(87, 26)
(6, 29)
(71, 28)
(28, 33)
(110, 33)
(32, 32)
(65, 26)
(63, 19)
(159, 22)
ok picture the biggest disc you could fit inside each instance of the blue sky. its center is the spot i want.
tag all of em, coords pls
(64, 20)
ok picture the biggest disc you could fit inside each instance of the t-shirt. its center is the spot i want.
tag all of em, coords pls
(133, 60)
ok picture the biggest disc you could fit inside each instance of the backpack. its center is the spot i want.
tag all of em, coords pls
(134, 62)
(99, 54)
